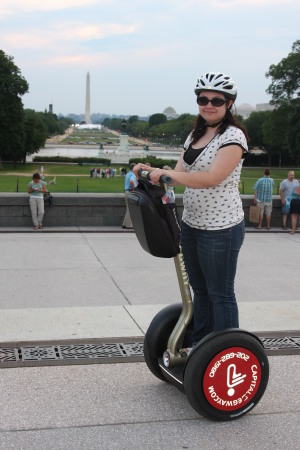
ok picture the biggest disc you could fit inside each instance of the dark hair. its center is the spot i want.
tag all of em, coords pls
(229, 119)
(36, 176)
(132, 166)
(267, 172)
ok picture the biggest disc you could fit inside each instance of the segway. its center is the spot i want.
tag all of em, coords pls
(225, 374)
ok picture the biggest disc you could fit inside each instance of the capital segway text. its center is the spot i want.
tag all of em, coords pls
(224, 358)
(218, 400)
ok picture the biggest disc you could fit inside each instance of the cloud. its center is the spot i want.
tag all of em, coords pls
(127, 58)
(251, 3)
(80, 32)
(8, 7)
(227, 4)
(66, 32)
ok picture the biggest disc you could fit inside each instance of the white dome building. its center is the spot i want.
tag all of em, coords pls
(170, 113)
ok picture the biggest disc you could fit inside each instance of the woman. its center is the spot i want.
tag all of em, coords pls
(295, 207)
(213, 220)
(36, 189)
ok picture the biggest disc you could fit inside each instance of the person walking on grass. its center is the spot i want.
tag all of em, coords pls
(263, 191)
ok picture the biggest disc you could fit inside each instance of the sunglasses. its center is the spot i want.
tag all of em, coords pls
(216, 101)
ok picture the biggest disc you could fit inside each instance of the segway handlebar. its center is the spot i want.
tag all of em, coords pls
(146, 174)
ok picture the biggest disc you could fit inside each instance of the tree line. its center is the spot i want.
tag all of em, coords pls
(24, 131)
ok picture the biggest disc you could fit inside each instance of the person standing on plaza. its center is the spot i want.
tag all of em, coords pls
(263, 191)
(36, 189)
(286, 189)
(212, 226)
(129, 184)
(295, 207)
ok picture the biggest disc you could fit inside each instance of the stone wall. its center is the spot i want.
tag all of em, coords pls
(91, 210)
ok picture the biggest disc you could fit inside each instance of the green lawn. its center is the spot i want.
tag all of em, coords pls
(65, 184)
(77, 179)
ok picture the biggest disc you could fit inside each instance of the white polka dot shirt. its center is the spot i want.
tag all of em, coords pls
(218, 207)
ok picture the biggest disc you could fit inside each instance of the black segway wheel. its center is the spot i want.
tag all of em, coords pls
(226, 375)
(157, 336)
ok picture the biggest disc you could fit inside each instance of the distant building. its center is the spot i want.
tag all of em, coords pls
(89, 126)
(245, 109)
(264, 107)
(170, 113)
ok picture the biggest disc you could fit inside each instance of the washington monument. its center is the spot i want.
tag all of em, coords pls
(87, 99)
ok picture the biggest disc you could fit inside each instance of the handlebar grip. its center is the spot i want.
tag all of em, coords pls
(166, 179)
(163, 179)
(144, 174)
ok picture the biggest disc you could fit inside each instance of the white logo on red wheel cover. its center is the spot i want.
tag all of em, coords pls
(231, 379)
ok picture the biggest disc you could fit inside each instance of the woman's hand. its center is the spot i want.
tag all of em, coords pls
(156, 174)
(137, 168)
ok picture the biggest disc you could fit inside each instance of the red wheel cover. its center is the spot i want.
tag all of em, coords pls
(231, 379)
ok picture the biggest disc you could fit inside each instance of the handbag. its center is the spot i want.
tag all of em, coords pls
(254, 214)
(48, 198)
(156, 224)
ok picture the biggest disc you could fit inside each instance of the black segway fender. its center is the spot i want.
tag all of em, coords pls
(157, 336)
(226, 374)
(214, 334)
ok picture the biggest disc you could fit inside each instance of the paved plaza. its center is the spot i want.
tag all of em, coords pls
(92, 285)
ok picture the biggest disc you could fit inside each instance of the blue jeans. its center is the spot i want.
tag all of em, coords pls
(211, 259)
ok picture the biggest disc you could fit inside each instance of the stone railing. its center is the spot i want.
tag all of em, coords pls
(91, 210)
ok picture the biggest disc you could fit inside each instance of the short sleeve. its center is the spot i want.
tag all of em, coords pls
(234, 136)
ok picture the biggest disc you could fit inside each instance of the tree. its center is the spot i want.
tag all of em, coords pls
(285, 91)
(133, 119)
(63, 123)
(50, 121)
(35, 132)
(293, 132)
(157, 119)
(12, 86)
(254, 125)
(285, 76)
(274, 136)
(113, 124)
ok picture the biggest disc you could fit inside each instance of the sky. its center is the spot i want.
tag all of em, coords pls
(143, 55)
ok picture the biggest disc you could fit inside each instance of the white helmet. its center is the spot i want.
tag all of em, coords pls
(217, 82)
